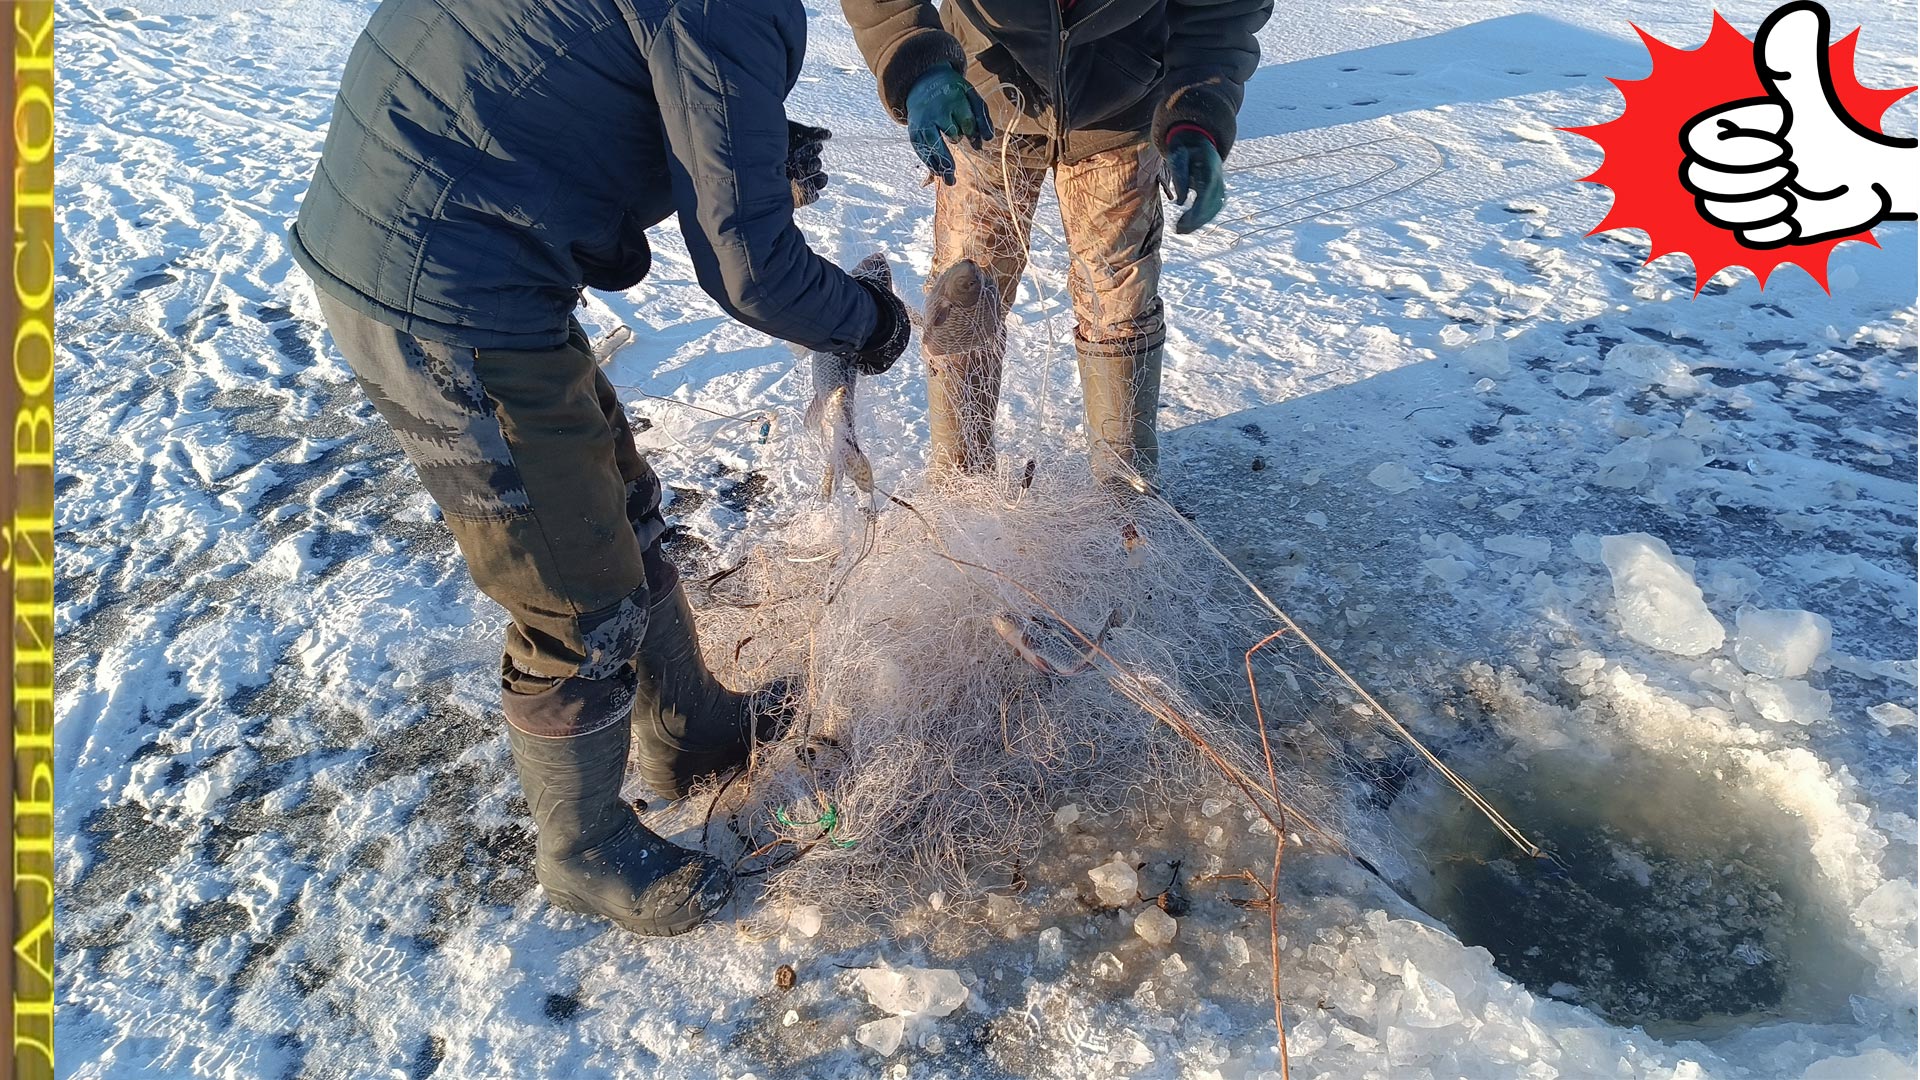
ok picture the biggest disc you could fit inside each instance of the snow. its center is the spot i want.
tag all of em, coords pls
(1659, 603)
(289, 840)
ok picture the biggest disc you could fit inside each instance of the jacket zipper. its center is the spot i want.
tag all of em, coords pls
(1060, 83)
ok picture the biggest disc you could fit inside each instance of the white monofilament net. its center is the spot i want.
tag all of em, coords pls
(925, 751)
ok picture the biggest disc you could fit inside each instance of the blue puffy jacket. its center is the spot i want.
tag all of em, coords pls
(488, 158)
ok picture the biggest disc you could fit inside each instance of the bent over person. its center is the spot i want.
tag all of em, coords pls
(488, 159)
(1106, 94)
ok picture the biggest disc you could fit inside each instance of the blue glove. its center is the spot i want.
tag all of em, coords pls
(1193, 165)
(942, 104)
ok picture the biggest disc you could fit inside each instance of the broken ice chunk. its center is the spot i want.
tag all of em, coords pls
(804, 920)
(1489, 357)
(1051, 952)
(1892, 904)
(1116, 883)
(1426, 1002)
(1532, 548)
(1393, 476)
(1789, 701)
(1156, 927)
(1780, 644)
(908, 991)
(882, 1036)
(1658, 602)
(1878, 1064)
(1571, 383)
(1652, 365)
(1890, 715)
(1064, 817)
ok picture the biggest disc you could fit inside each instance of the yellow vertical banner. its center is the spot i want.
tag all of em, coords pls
(27, 503)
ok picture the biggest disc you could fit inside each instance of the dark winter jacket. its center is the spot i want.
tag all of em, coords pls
(1094, 74)
(488, 158)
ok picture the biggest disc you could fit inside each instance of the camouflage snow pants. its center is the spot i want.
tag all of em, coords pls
(1110, 208)
(532, 460)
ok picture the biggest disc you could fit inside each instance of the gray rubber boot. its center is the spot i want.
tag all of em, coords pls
(687, 726)
(1121, 384)
(594, 855)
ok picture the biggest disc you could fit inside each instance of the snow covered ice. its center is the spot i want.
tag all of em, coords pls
(290, 843)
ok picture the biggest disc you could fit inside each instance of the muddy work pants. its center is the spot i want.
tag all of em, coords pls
(530, 455)
(1110, 208)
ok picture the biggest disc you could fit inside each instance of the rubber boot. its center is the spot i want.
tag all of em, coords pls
(594, 854)
(1121, 384)
(686, 724)
(963, 394)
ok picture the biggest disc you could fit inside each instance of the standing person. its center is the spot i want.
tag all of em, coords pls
(1102, 93)
(486, 161)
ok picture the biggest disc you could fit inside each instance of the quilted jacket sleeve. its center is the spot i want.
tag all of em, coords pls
(721, 75)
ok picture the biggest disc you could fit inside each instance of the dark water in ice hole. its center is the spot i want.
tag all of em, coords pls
(1685, 902)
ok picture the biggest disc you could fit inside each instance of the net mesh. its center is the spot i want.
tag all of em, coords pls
(974, 662)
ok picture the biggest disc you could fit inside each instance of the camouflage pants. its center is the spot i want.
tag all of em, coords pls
(532, 460)
(1111, 210)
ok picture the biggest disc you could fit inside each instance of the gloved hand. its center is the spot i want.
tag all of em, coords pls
(942, 103)
(891, 327)
(804, 170)
(1193, 165)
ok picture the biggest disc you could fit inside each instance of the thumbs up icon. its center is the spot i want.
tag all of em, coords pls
(1792, 167)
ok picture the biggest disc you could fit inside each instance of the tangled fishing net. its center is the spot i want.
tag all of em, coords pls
(973, 662)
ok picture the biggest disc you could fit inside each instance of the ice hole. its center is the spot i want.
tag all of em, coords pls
(1680, 899)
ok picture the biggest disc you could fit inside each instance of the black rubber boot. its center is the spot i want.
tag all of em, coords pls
(686, 725)
(594, 854)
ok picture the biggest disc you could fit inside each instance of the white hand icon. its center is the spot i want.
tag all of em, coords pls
(1792, 167)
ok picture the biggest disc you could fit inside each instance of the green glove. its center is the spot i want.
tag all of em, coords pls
(942, 104)
(1193, 165)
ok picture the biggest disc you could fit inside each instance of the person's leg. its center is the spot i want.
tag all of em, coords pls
(686, 725)
(1110, 204)
(986, 215)
(526, 467)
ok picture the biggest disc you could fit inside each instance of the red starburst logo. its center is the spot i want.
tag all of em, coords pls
(1645, 154)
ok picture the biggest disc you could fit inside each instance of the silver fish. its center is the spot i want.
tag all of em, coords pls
(964, 340)
(830, 416)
